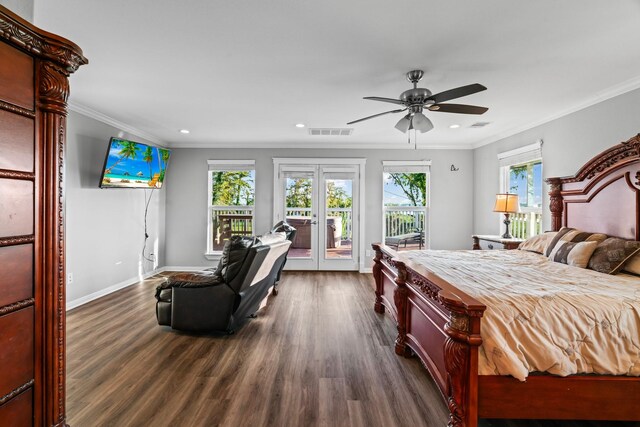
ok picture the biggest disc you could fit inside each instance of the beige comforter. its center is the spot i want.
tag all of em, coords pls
(545, 316)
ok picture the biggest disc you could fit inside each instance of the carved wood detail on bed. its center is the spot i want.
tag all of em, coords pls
(589, 200)
(441, 324)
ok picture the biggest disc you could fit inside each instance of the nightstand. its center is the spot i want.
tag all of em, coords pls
(495, 242)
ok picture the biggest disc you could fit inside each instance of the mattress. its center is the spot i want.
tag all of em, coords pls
(544, 316)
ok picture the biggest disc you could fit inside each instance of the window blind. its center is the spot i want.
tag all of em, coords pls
(413, 166)
(520, 155)
(231, 165)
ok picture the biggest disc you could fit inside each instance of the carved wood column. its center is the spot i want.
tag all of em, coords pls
(400, 297)
(52, 97)
(377, 275)
(461, 358)
(556, 205)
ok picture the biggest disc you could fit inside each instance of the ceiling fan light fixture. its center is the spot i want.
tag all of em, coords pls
(404, 124)
(421, 123)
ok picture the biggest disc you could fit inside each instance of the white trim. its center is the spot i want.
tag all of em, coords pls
(184, 268)
(368, 270)
(319, 161)
(612, 92)
(96, 115)
(111, 289)
(361, 215)
(320, 144)
(406, 163)
(232, 162)
(213, 256)
(521, 150)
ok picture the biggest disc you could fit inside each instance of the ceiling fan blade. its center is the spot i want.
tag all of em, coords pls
(391, 100)
(458, 108)
(376, 115)
(421, 123)
(457, 92)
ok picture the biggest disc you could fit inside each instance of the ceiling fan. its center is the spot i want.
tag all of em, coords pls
(416, 99)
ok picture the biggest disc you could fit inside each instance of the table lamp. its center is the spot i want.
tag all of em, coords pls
(507, 204)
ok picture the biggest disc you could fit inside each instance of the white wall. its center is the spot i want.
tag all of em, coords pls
(186, 214)
(569, 142)
(104, 228)
(22, 8)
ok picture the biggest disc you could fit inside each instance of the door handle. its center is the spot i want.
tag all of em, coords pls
(313, 222)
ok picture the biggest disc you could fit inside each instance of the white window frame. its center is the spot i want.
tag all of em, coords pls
(519, 156)
(225, 165)
(409, 166)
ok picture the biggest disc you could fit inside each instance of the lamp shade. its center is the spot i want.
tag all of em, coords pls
(506, 203)
(404, 124)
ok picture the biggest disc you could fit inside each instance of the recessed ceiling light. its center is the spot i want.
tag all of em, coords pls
(300, 125)
(185, 131)
(454, 126)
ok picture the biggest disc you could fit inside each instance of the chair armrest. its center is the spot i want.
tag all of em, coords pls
(187, 280)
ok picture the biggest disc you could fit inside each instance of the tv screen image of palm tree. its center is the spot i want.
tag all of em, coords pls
(134, 165)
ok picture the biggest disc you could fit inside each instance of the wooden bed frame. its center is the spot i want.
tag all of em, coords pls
(441, 324)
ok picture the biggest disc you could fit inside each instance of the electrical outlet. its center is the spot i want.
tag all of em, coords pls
(367, 252)
(69, 278)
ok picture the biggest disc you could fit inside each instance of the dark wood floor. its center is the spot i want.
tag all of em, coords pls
(317, 355)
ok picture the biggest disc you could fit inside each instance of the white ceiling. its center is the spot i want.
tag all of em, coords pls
(243, 73)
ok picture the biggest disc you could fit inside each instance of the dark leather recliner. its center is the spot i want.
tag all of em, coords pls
(222, 299)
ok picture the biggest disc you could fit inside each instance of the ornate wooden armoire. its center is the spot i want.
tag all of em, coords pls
(34, 70)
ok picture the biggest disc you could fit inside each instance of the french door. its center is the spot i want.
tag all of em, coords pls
(322, 201)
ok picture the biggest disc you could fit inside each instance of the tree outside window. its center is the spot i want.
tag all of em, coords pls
(232, 198)
(526, 181)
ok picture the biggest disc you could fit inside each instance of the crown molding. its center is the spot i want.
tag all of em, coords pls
(320, 146)
(96, 115)
(612, 92)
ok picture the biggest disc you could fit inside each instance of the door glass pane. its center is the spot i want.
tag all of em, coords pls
(298, 211)
(339, 218)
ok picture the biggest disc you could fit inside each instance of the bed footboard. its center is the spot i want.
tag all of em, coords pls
(437, 322)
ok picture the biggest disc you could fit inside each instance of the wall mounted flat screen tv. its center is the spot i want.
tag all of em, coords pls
(132, 164)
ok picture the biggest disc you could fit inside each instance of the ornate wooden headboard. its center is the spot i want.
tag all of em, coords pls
(604, 196)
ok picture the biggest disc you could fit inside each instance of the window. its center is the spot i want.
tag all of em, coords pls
(405, 204)
(231, 201)
(521, 174)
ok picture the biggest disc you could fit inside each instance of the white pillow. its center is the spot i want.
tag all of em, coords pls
(271, 238)
(537, 244)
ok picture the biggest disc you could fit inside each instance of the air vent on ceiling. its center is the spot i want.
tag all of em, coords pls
(479, 124)
(331, 131)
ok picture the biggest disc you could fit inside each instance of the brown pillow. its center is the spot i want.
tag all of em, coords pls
(567, 234)
(538, 243)
(576, 254)
(612, 254)
(633, 265)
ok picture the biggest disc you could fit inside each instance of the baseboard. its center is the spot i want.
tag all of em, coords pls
(183, 268)
(368, 270)
(111, 289)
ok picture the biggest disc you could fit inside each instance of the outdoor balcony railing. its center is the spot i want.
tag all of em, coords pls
(229, 220)
(526, 224)
(403, 220)
(344, 213)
